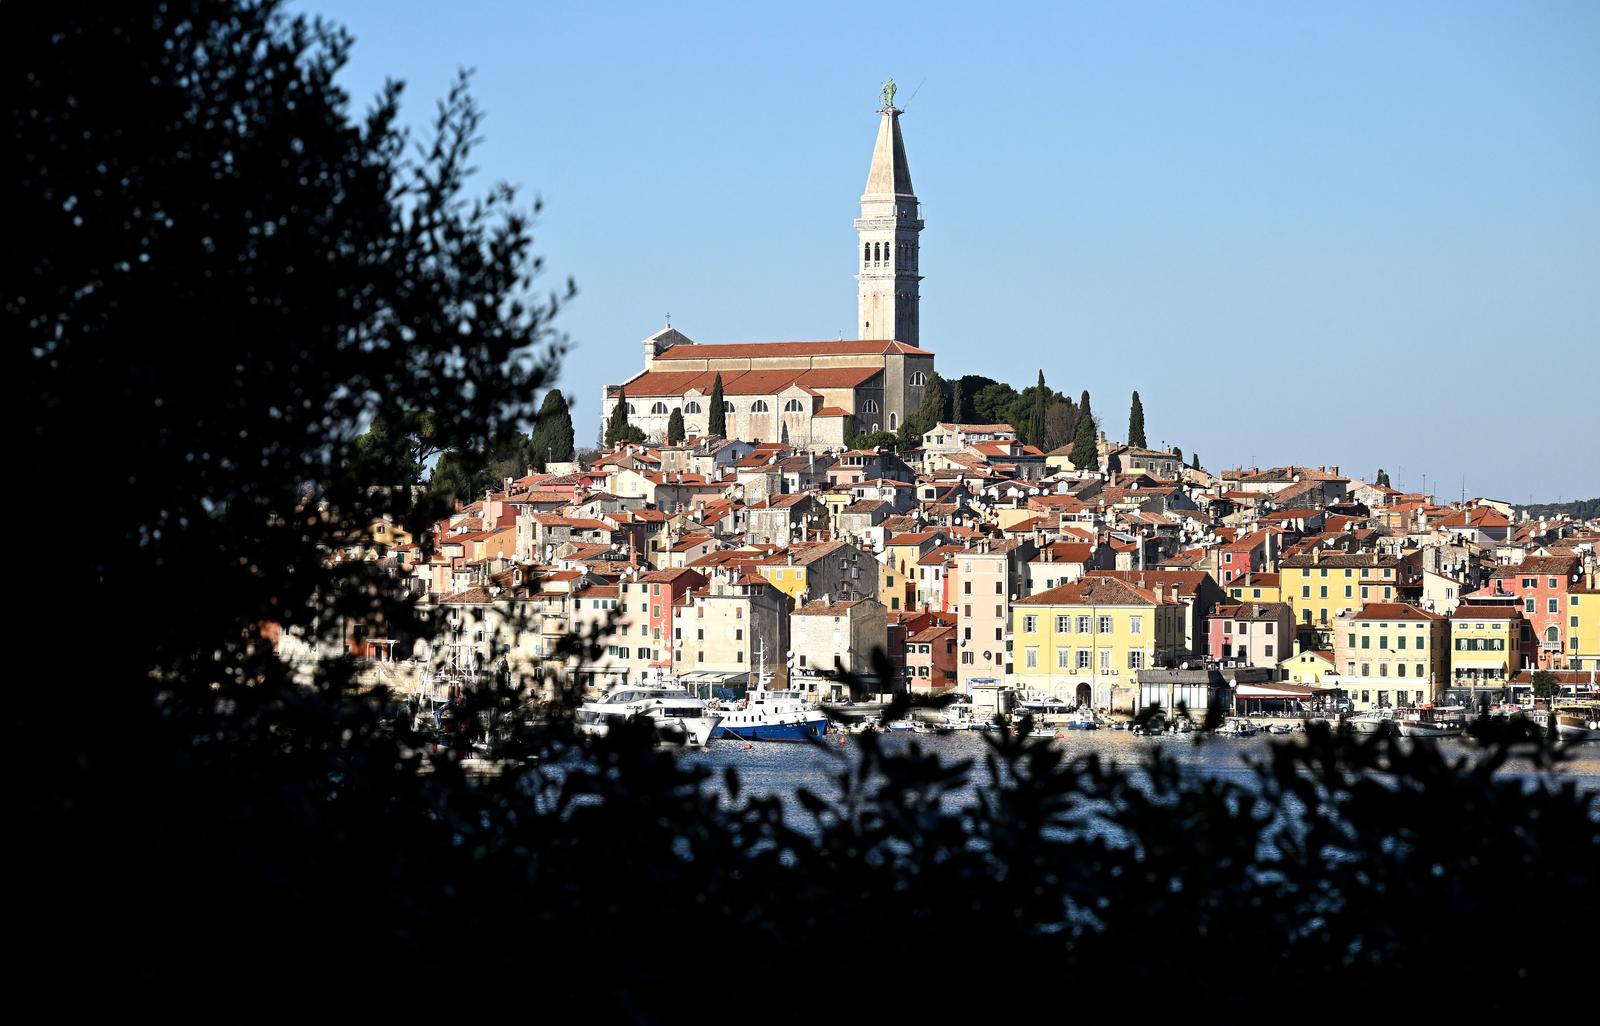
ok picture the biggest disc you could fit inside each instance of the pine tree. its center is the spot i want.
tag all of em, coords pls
(1136, 424)
(1084, 454)
(553, 436)
(717, 427)
(675, 431)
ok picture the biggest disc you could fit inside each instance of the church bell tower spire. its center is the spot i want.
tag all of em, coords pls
(886, 237)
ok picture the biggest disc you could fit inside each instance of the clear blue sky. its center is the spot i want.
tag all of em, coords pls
(1357, 233)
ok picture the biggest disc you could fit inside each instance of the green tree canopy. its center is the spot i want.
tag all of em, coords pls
(992, 403)
(675, 431)
(1383, 477)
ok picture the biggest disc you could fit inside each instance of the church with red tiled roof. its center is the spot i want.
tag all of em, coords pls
(810, 395)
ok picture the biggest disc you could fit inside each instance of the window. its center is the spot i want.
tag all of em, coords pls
(1135, 659)
(1402, 669)
(1085, 659)
(1527, 605)
(1032, 658)
(759, 406)
(1136, 625)
(1105, 660)
(1555, 606)
(727, 406)
(691, 407)
(1064, 624)
(870, 406)
(1030, 625)
(1105, 625)
(658, 408)
(919, 378)
(1366, 641)
(1085, 624)
(793, 406)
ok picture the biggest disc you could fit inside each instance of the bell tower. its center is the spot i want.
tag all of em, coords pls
(886, 238)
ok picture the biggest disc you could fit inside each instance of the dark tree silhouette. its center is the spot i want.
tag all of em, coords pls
(1136, 437)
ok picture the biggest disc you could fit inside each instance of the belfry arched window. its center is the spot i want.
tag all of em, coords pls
(866, 252)
(870, 406)
(919, 378)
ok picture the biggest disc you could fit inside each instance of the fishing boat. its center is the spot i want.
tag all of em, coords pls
(1427, 721)
(1237, 726)
(678, 716)
(1083, 719)
(1578, 722)
(771, 714)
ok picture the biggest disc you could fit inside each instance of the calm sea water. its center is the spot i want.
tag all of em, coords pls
(780, 768)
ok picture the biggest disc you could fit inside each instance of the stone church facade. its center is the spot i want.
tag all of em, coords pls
(812, 395)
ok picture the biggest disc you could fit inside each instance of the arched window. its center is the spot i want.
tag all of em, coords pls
(793, 406)
(919, 378)
(874, 429)
(870, 406)
(866, 252)
(658, 408)
(727, 407)
(691, 407)
(1552, 635)
(759, 406)
(631, 410)
(894, 421)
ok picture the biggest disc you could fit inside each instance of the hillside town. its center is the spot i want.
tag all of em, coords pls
(793, 508)
(976, 561)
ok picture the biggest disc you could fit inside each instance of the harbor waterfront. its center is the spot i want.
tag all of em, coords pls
(781, 769)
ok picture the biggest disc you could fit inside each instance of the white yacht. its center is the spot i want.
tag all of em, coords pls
(679, 717)
(1374, 722)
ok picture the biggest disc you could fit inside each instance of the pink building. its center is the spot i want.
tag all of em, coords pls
(1259, 633)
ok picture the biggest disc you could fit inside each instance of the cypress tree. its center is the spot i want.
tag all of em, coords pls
(675, 431)
(553, 437)
(1178, 452)
(1036, 413)
(1383, 477)
(1083, 407)
(955, 403)
(1084, 456)
(717, 427)
(1195, 461)
(1136, 424)
(617, 428)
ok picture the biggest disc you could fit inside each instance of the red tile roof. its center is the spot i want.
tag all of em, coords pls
(768, 350)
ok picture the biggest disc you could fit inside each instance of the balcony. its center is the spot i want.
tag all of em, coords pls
(1550, 646)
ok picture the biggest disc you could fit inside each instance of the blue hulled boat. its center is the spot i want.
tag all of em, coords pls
(766, 714)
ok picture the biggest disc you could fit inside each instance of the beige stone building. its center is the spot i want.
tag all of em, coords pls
(832, 637)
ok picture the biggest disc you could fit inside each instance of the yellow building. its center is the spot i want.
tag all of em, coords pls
(1484, 644)
(1085, 642)
(1257, 587)
(897, 568)
(1308, 667)
(1583, 629)
(1319, 585)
